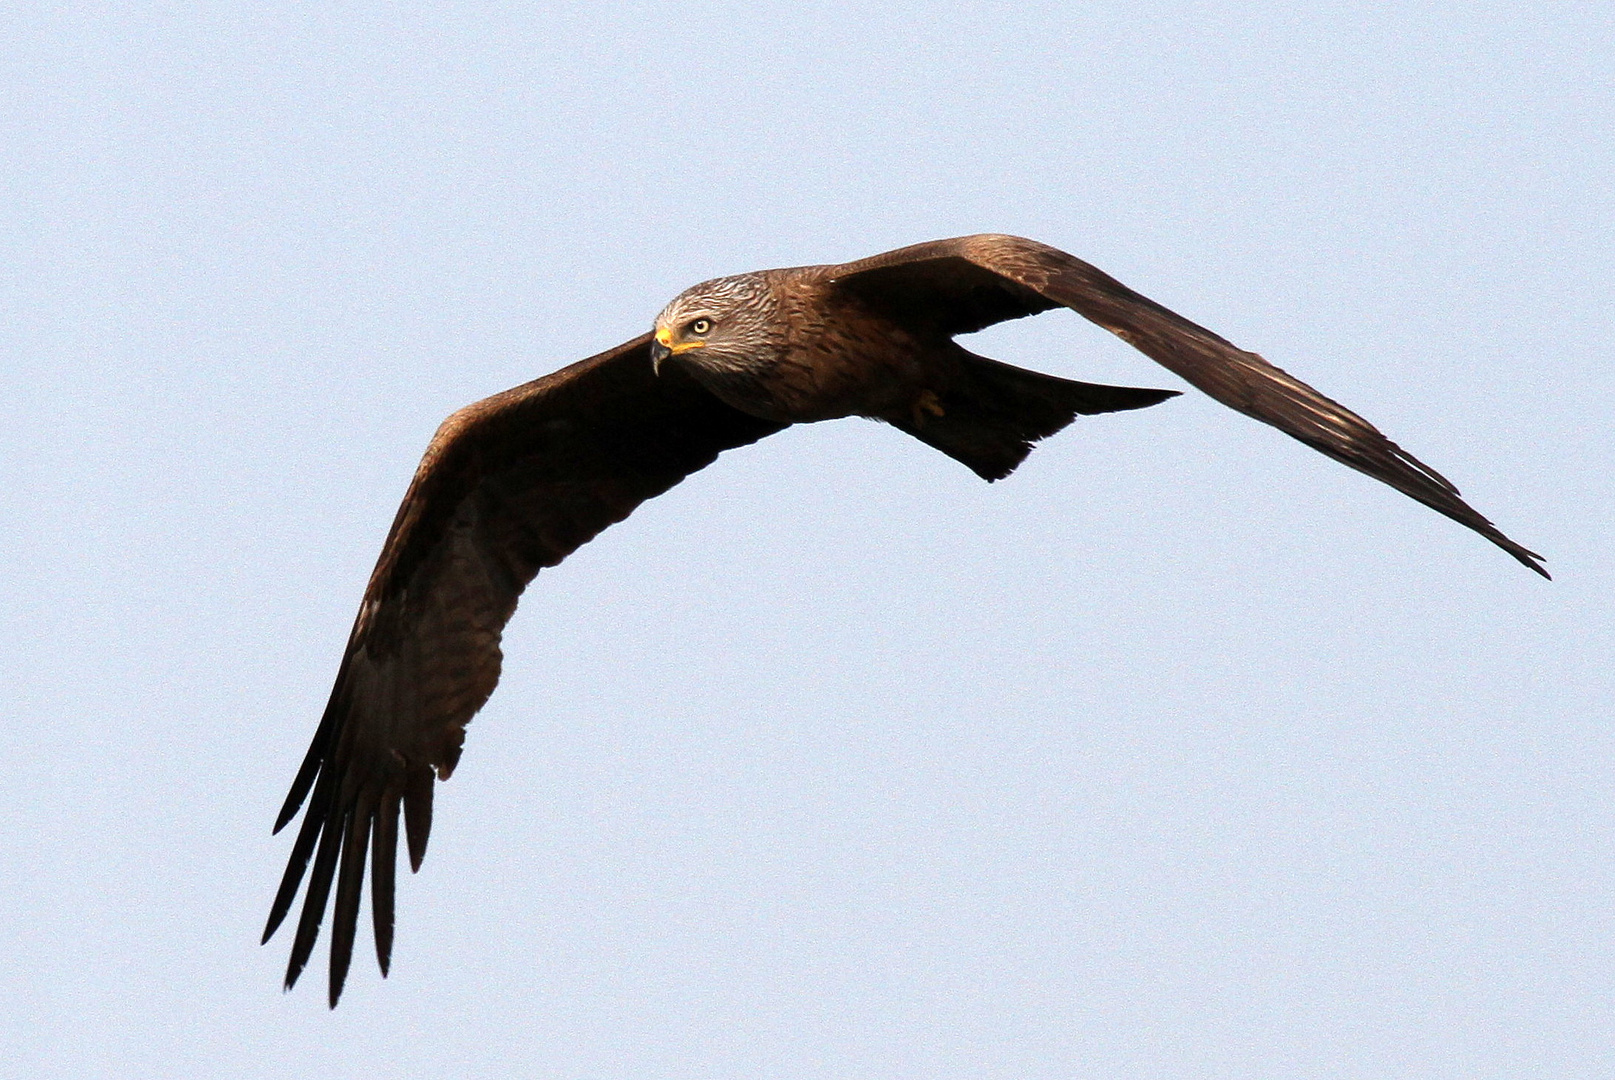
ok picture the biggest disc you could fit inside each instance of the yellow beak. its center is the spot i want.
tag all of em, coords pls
(664, 346)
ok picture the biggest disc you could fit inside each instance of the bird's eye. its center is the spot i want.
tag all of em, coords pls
(700, 326)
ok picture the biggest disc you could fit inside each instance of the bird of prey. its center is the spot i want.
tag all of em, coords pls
(522, 479)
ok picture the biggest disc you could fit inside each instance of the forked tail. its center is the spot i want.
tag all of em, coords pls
(993, 412)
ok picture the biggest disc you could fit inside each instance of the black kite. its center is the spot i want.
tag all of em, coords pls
(521, 480)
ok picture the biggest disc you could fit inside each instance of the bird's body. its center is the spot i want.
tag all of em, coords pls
(801, 345)
(518, 481)
(814, 354)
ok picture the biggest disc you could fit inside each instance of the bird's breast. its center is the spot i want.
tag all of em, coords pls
(819, 357)
(840, 361)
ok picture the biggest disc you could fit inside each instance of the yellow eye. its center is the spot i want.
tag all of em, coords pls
(700, 326)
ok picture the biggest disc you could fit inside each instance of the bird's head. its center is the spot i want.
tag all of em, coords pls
(720, 325)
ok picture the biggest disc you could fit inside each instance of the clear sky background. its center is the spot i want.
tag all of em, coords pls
(1184, 752)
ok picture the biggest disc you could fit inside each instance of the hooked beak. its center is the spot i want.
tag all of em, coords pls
(660, 349)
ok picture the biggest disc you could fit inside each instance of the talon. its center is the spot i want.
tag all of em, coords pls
(926, 403)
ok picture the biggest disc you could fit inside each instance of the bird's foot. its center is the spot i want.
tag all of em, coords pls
(927, 404)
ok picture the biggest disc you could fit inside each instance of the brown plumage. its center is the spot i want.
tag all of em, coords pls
(517, 482)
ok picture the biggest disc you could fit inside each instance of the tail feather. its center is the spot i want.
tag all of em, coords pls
(992, 413)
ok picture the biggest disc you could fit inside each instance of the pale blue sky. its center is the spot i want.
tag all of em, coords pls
(1184, 752)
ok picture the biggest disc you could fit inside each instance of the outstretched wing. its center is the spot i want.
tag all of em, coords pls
(509, 485)
(963, 285)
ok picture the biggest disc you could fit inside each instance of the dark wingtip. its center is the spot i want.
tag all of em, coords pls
(312, 760)
(295, 868)
(383, 864)
(283, 902)
(314, 899)
(349, 890)
(294, 799)
(418, 815)
(1529, 558)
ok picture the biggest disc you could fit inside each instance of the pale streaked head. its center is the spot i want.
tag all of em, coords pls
(725, 323)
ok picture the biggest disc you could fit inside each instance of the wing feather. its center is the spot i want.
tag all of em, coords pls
(962, 285)
(509, 485)
(383, 877)
(345, 914)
